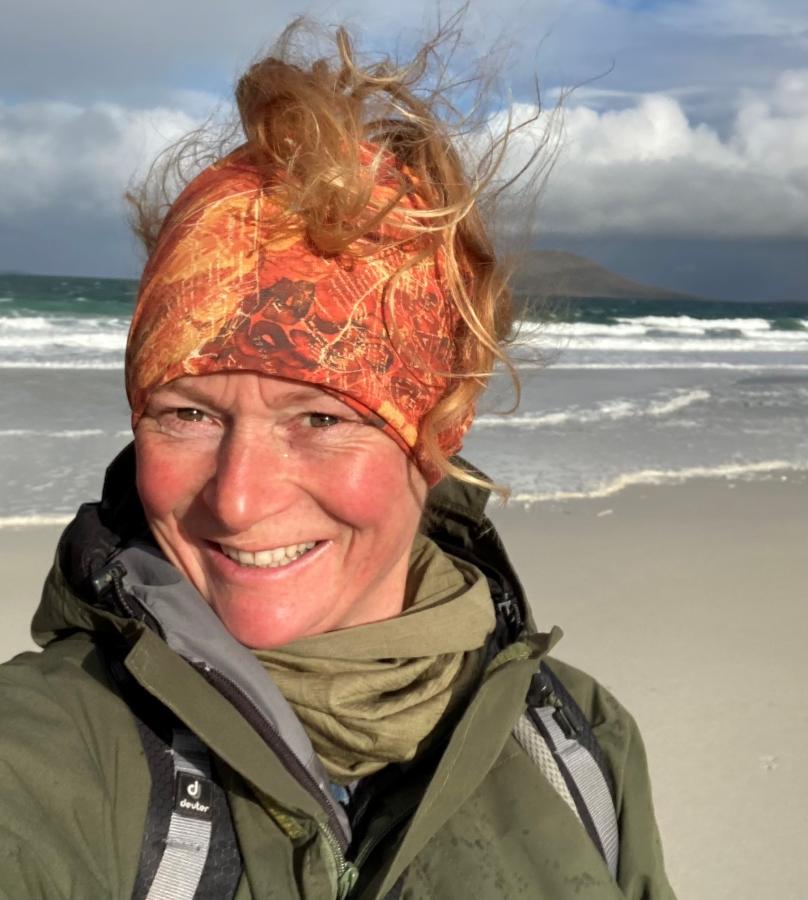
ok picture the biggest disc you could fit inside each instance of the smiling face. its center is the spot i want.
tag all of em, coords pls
(288, 512)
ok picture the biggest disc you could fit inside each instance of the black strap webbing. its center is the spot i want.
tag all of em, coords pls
(189, 849)
(557, 736)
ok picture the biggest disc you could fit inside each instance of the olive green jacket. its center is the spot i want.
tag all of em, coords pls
(482, 822)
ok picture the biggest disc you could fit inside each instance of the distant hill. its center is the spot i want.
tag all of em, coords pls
(556, 274)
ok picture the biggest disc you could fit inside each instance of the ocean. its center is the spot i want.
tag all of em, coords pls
(614, 393)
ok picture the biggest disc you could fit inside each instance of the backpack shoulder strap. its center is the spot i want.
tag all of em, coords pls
(189, 849)
(557, 736)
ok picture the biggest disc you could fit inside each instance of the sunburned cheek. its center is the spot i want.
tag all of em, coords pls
(153, 477)
(375, 483)
(165, 478)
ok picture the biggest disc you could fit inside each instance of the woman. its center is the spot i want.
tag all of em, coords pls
(286, 655)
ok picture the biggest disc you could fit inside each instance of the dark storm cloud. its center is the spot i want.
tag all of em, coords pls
(697, 129)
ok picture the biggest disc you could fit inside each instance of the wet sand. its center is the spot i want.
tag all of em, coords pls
(689, 602)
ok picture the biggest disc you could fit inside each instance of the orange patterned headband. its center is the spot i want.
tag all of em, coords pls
(227, 289)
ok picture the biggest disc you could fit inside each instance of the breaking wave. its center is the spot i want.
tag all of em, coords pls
(611, 410)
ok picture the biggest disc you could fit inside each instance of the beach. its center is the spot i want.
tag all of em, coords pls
(659, 515)
(688, 602)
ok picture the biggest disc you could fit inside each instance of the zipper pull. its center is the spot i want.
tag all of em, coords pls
(347, 880)
(104, 579)
(108, 588)
(543, 694)
(110, 593)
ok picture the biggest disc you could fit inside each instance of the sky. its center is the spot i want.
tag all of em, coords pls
(682, 155)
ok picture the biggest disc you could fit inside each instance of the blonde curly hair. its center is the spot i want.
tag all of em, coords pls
(303, 118)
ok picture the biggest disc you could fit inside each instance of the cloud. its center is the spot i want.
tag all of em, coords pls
(60, 155)
(647, 169)
(690, 119)
(776, 18)
(63, 171)
(642, 169)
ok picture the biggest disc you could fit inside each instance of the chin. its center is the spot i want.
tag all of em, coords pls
(262, 630)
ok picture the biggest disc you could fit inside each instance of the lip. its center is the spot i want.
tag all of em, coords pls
(232, 571)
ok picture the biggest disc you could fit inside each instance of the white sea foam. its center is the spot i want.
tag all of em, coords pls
(685, 325)
(66, 341)
(59, 324)
(12, 324)
(674, 404)
(663, 334)
(70, 433)
(33, 521)
(98, 342)
(710, 364)
(775, 342)
(699, 326)
(611, 410)
(86, 341)
(62, 365)
(658, 477)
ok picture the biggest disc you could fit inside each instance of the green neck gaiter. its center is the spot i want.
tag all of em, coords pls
(372, 694)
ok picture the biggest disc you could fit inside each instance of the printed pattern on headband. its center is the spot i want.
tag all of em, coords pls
(227, 290)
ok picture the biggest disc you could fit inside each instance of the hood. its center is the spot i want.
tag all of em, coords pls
(110, 579)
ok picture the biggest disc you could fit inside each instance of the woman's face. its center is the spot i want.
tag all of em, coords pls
(288, 513)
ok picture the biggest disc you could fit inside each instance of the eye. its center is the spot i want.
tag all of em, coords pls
(186, 421)
(322, 420)
(189, 414)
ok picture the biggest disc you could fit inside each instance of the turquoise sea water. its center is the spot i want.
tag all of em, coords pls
(55, 295)
(615, 392)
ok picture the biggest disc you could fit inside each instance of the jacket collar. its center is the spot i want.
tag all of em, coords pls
(454, 518)
(168, 615)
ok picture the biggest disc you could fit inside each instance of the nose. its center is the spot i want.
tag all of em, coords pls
(252, 481)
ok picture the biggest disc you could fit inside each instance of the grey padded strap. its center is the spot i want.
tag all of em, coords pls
(590, 783)
(541, 755)
(188, 839)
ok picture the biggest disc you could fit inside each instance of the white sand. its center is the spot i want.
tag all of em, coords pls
(690, 603)
(26, 555)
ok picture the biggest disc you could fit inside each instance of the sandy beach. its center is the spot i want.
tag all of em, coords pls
(689, 602)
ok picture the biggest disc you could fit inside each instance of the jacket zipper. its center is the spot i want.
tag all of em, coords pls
(111, 578)
(229, 689)
(347, 872)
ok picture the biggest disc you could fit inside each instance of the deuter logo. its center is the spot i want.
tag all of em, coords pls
(197, 807)
(194, 796)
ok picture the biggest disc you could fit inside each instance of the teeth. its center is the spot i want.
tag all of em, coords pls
(267, 559)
